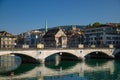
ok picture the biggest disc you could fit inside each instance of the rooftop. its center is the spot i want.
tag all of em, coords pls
(6, 34)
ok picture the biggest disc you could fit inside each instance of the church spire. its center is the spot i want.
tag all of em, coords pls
(46, 29)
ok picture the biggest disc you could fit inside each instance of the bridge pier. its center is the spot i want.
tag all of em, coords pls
(57, 59)
(42, 61)
(81, 58)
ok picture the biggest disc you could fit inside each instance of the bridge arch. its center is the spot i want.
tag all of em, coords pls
(97, 55)
(26, 58)
(63, 55)
(117, 55)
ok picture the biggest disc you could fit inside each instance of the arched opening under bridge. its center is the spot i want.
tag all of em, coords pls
(61, 56)
(98, 55)
(117, 55)
(26, 58)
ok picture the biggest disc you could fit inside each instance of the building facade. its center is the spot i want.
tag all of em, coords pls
(7, 40)
(102, 35)
(55, 38)
(33, 38)
(74, 36)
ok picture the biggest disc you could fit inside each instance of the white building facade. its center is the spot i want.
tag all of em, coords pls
(102, 36)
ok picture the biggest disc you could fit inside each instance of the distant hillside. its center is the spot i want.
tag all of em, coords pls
(66, 27)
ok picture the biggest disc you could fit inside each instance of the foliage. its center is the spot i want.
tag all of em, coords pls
(96, 24)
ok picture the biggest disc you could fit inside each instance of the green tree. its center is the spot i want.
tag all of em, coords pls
(96, 24)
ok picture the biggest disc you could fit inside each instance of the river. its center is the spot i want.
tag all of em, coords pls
(11, 68)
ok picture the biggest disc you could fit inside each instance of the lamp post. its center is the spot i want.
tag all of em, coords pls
(15, 45)
(36, 40)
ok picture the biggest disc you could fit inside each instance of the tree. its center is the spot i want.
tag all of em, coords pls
(96, 24)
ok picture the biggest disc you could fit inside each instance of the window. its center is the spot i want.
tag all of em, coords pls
(101, 38)
(108, 38)
(117, 42)
(113, 42)
(109, 42)
(91, 38)
(95, 38)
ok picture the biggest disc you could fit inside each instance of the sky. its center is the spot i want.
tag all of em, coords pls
(17, 16)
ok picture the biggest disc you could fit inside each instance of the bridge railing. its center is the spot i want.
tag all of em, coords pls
(52, 48)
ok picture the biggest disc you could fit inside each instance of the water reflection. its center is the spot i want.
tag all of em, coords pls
(9, 63)
(62, 65)
(65, 70)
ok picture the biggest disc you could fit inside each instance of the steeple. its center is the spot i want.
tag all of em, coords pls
(46, 29)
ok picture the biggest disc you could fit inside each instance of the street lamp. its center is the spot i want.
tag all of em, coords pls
(36, 40)
(15, 45)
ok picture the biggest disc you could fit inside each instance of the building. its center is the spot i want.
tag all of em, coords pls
(55, 37)
(7, 40)
(102, 35)
(74, 36)
(32, 38)
(20, 40)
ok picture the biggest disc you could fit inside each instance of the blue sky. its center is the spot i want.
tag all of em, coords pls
(17, 16)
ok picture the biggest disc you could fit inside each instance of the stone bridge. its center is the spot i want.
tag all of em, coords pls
(42, 54)
(80, 68)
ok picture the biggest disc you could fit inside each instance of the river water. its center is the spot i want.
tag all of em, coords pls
(11, 68)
